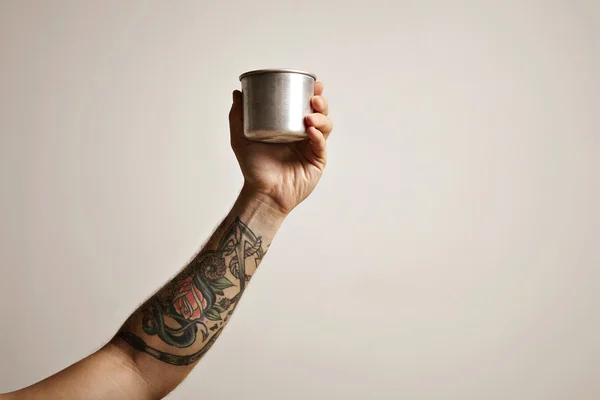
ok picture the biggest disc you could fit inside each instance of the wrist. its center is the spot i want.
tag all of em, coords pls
(261, 203)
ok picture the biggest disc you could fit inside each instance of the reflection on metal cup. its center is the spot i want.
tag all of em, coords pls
(276, 101)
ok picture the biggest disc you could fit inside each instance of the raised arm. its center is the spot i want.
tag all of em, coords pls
(161, 342)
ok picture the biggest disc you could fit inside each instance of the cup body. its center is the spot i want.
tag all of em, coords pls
(275, 103)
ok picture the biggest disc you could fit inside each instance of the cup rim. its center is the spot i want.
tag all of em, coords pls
(277, 70)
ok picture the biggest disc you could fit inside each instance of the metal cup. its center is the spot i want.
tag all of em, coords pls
(275, 104)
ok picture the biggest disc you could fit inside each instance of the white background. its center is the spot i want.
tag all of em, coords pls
(451, 251)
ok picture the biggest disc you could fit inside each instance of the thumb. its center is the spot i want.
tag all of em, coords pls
(236, 118)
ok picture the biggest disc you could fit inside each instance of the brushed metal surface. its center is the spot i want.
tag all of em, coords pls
(275, 103)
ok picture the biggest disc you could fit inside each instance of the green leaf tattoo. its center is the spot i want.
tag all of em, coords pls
(213, 314)
(221, 283)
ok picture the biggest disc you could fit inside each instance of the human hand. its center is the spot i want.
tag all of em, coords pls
(283, 175)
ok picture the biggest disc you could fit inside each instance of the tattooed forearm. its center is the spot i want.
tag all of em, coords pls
(195, 306)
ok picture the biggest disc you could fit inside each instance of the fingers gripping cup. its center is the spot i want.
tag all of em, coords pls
(275, 102)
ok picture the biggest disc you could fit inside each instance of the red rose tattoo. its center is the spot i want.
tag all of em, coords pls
(189, 301)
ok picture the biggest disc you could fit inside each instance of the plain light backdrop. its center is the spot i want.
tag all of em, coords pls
(451, 251)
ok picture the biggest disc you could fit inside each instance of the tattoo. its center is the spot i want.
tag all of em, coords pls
(137, 343)
(196, 298)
